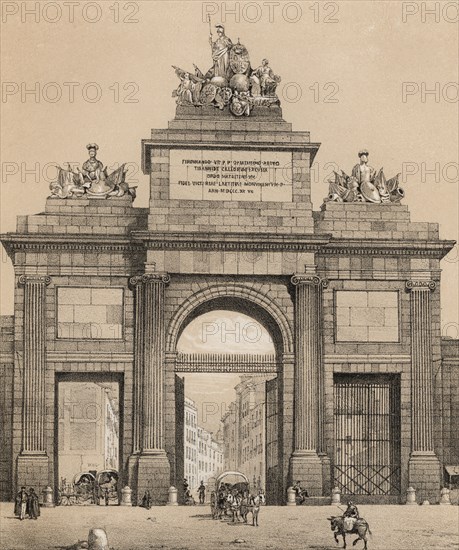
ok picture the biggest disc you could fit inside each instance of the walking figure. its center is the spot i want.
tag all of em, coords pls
(20, 506)
(202, 493)
(33, 506)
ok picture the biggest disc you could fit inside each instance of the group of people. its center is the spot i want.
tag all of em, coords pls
(236, 502)
(188, 497)
(26, 504)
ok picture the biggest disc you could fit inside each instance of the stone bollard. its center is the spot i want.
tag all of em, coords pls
(291, 497)
(426, 503)
(444, 498)
(411, 496)
(126, 495)
(172, 497)
(48, 501)
(336, 496)
(98, 540)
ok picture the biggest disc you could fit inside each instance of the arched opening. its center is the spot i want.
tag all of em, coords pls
(229, 354)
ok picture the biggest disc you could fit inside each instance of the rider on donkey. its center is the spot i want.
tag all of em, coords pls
(350, 516)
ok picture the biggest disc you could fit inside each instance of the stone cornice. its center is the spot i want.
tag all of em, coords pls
(18, 242)
(388, 247)
(137, 241)
(323, 244)
(229, 241)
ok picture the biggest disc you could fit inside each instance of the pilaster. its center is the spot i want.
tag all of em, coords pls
(32, 462)
(306, 464)
(148, 462)
(424, 466)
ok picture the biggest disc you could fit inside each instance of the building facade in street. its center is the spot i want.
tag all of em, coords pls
(244, 427)
(88, 428)
(210, 456)
(191, 442)
(203, 452)
(349, 293)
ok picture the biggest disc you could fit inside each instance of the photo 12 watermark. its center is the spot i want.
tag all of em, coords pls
(69, 92)
(53, 13)
(430, 12)
(270, 12)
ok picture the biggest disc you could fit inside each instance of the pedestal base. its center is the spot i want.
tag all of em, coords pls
(32, 471)
(132, 476)
(424, 475)
(307, 468)
(153, 474)
(326, 474)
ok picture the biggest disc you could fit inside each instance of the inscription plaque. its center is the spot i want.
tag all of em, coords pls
(227, 175)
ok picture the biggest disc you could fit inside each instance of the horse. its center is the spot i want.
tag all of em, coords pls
(360, 528)
(221, 504)
(251, 504)
(234, 501)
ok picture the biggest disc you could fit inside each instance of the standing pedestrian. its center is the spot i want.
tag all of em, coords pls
(33, 506)
(146, 500)
(20, 506)
(106, 496)
(202, 493)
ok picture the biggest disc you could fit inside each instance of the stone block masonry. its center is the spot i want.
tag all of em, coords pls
(350, 291)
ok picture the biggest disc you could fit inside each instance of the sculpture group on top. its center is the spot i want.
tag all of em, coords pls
(364, 185)
(92, 180)
(230, 81)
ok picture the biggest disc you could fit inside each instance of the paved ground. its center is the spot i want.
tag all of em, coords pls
(191, 528)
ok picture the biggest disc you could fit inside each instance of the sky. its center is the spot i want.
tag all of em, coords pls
(354, 73)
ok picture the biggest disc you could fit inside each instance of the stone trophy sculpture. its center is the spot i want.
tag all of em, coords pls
(364, 185)
(92, 180)
(230, 83)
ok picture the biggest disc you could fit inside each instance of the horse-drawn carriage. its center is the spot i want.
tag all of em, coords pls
(228, 487)
(80, 491)
(89, 488)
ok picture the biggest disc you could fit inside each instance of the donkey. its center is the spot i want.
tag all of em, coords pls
(361, 528)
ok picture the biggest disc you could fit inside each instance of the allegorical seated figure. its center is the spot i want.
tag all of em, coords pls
(365, 175)
(264, 81)
(363, 172)
(93, 169)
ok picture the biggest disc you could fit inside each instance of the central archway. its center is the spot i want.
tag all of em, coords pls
(237, 298)
(259, 307)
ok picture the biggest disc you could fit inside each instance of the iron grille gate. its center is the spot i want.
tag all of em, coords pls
(367, 434)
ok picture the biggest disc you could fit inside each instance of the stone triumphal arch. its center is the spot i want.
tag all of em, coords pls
(350, 294)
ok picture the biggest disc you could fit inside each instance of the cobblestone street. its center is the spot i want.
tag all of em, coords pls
(190, 528)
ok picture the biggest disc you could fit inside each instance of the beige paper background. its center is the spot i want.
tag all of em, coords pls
(369, 53)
